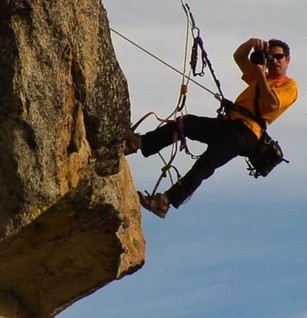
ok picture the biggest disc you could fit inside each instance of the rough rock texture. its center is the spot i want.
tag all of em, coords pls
(11, 307)
(70, 220)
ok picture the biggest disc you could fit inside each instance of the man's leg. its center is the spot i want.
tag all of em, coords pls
(232, 139)
(151, 142)
(202, 129)
(156, 140)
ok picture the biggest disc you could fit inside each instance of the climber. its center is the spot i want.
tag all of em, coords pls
(235, 134)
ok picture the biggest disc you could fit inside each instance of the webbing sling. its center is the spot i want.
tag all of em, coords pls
(259, 119)
(228, 105)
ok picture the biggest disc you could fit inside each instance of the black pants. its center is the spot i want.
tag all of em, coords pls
(226, 139)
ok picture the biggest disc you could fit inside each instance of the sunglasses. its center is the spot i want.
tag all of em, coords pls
(277, 56)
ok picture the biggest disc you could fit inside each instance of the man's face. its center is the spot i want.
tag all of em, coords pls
(277, 62)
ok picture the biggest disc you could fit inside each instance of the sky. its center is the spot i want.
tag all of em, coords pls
(237, 248)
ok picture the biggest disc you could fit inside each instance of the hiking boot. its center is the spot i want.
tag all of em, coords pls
(133, 143)
(157, 204)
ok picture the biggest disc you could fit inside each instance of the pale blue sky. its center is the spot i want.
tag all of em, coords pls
(237, 249)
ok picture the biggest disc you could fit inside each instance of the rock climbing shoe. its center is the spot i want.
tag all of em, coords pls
(157, 204)
(133, 143)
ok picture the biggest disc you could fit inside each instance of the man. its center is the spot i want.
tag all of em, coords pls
(236, 134)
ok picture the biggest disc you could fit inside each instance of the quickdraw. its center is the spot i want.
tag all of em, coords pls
(198, 45)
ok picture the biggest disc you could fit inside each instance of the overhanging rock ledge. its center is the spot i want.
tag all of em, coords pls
(70, 220)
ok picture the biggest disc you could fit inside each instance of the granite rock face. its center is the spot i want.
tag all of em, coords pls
(70, 219)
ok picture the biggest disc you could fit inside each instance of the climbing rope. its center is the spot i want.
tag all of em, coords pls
(178, 112)
(216, 95)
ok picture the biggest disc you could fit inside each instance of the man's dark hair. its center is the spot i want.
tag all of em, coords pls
(283, 45)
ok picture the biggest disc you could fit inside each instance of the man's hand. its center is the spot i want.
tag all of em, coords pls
(258, 44)
(260, 72)
(241, 55)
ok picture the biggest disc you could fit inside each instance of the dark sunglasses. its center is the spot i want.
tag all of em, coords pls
(277, 56)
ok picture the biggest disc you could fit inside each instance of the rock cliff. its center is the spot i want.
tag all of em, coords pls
(70, 221)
